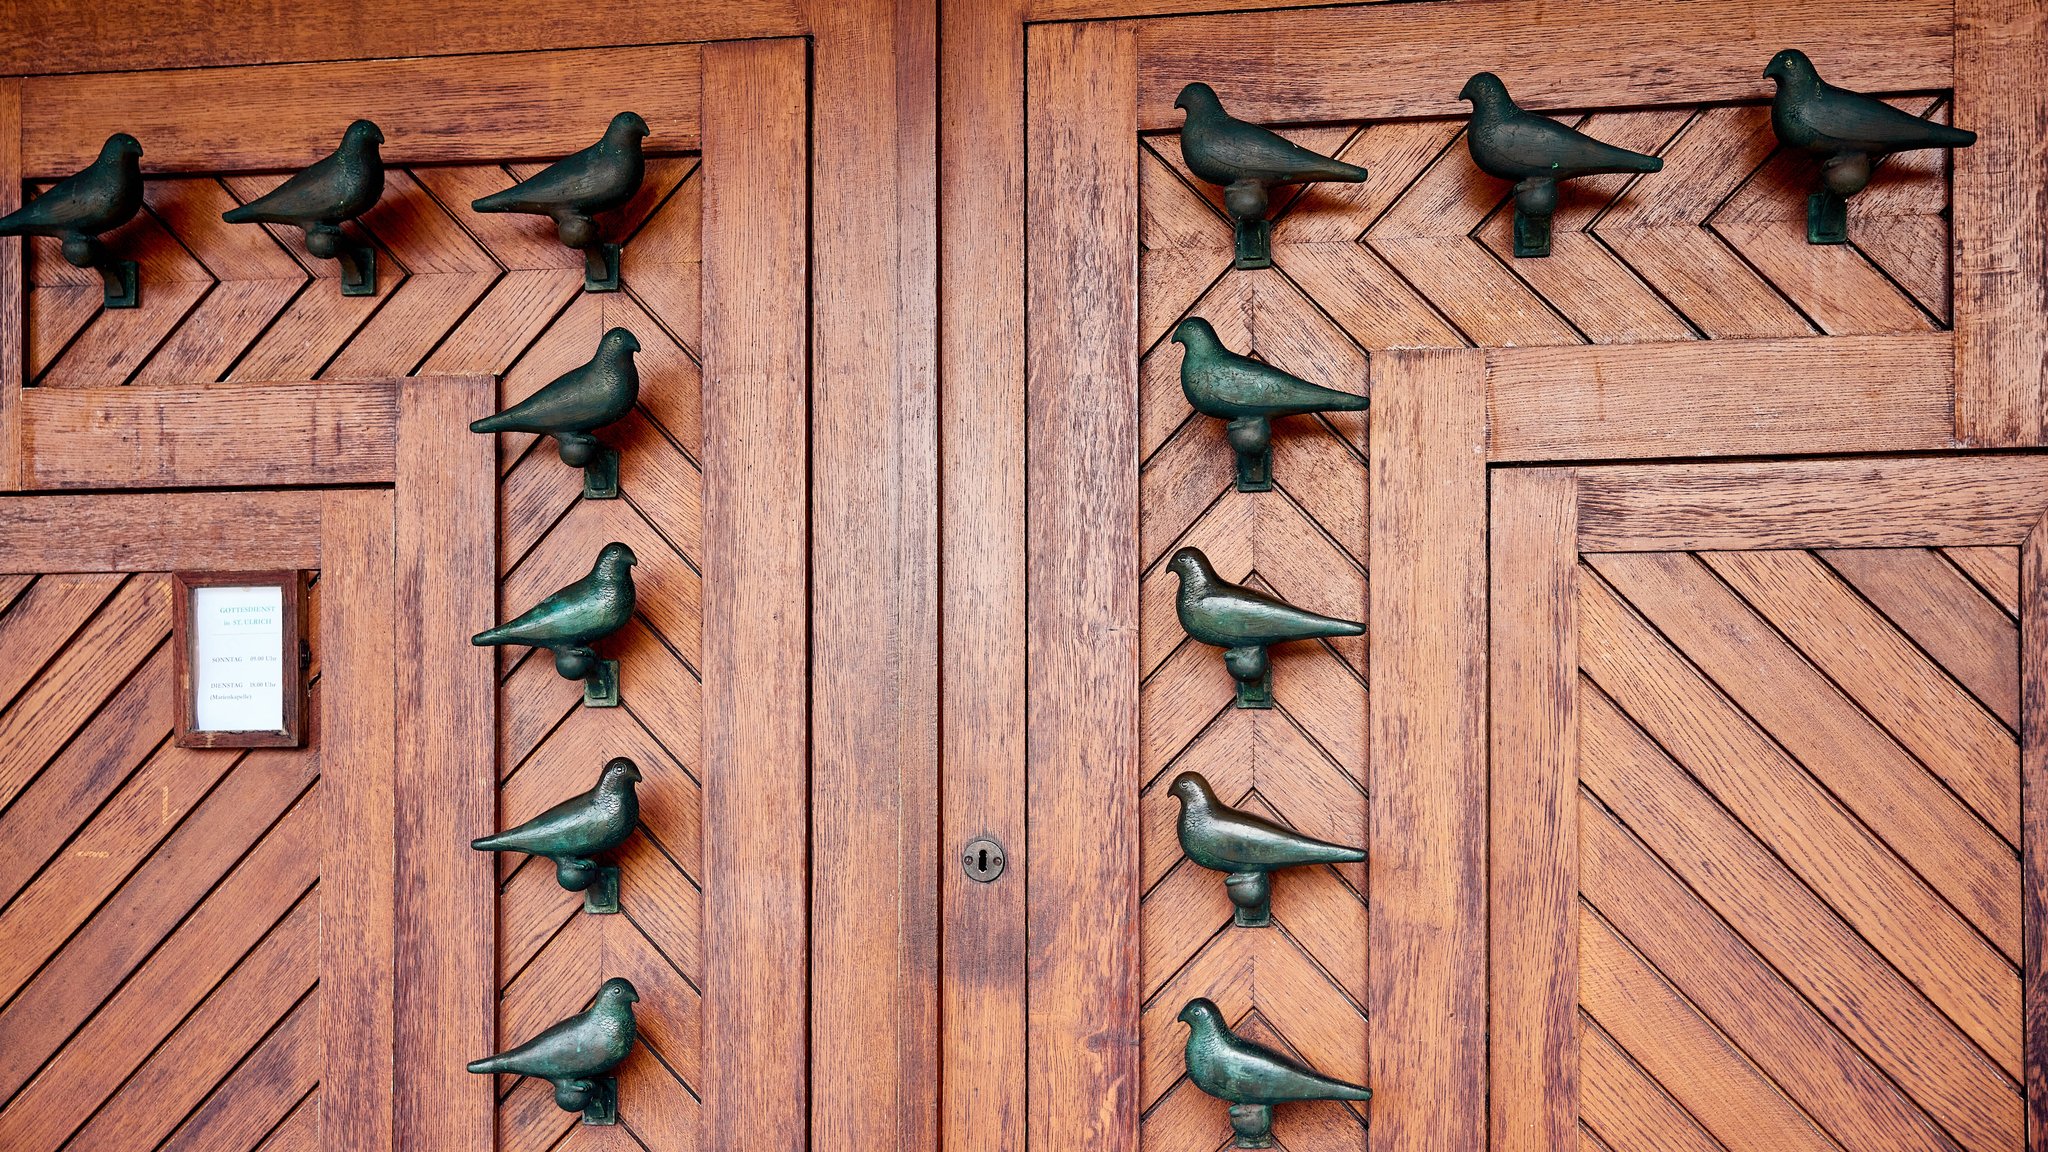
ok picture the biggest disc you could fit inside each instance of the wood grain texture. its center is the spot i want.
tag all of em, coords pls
(203, 437)
(2001, 207)
(1533, 917)
(1927, 501)
(1428, 849)
(490, 108)
(1720, 398)
(446, 507)
(1675, 51)
(159, 532)
(357, 642)
(13, 327)
(52, 36)
(874, 548)
(983, 1059)
(756, 799)
(2034, 821)
(1081, 417)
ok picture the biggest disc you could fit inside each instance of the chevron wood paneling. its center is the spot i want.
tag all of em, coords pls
(159, 928)
(1798, 820)
(462, 292)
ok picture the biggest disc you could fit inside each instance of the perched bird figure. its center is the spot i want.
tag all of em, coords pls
(570, 621)
(1246, 846)
(1249, 394)
(85, 205)
(577, 1055)
(1248, 162)
(577, 831)
(1243, 623)
(1535, 152)
(1849, 132)
(573, 189)
(335, 189)
(576, 404)
(1249, 1075)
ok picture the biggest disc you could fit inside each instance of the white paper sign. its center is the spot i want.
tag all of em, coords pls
(238, 659)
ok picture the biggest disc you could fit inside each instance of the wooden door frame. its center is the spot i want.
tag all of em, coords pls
(1542, 519)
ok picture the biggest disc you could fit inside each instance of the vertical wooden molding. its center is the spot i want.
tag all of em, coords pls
(2000, 214)
(1534, 796)
(356, 733)
(447, 579)
(981, 739)
(1082, 635)
(874, 550)
(756, 783)
(2034, 824)
(1427, 937)
(13, 291)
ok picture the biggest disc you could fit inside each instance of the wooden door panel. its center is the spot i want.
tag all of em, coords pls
(1761, 846)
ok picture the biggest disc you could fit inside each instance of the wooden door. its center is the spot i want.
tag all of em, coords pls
(1680, 315)
(196, 945)
(245, 367)
(1766, 839)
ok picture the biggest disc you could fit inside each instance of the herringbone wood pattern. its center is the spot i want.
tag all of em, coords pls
(460, 292)
(159, 920)
(1799, 881)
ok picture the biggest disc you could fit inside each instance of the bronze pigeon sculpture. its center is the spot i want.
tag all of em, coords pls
(1249, 848)
(575, 617)
(575, 188)
(577, 404)
(578, 831)
(1248, 162)
(1250, 395)
(577, 1055)
(1251, 1077)
(82, 207)
(1849, 132)
(322, 197)
(1535, 152)
(1244, 624)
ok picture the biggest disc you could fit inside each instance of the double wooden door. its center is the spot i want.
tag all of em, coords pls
(297, 948)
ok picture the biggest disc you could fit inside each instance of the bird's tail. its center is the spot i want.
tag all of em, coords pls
(502, 634)
(1341, 401)
(1335, 854)
(242, 214)
(489, 1064)
(489, 843)
(1637, 162)
(501, 422)
(1950, 137)
(1331, 626)
(1339, 1090)
(1337, 170)
(505, 201)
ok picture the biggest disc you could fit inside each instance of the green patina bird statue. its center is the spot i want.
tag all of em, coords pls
(577, 1055)
(579, 830)
(1535, 152)
(85, 205)
(1849, 132)
(1250, 395)
(1248, 162)
(1250, 1076)
(1243, 623)
(1246, 847)
(321, 197)
(570, 621)
(575, 188)
(578, 403)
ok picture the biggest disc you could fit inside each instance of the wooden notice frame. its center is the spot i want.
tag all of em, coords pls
(292, 666)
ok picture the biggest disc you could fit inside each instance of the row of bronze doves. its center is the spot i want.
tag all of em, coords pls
(1847, 131)
(335, 189)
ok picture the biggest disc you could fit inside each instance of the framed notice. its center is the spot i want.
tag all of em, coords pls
(238, 638)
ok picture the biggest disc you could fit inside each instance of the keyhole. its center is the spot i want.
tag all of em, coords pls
(983, 860)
